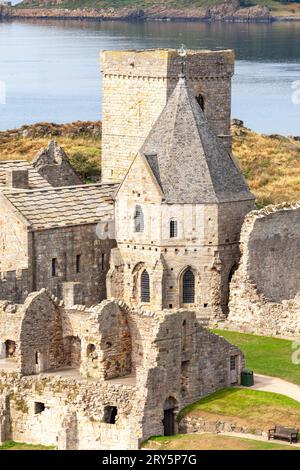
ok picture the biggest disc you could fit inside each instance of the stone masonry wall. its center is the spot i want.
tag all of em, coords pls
(150, 359)
(265, 289)
(136, 87)
(64, 398)
(13, 240)
(64, 244)
(53, 164)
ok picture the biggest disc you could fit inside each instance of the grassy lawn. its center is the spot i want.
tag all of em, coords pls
(266, 355)
(250, 408)
(11, 445)
(211, 442)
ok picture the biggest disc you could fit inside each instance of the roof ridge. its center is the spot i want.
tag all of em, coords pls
(58, 188)
(191, 164)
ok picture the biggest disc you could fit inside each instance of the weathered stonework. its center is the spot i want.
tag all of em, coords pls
(136, 88)
(264, 292)
(56, 391)
(53, 164)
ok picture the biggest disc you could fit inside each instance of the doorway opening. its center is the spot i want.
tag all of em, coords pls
(233, 370)
(169, 416)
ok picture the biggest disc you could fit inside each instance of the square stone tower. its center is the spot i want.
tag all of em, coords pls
(136, 88)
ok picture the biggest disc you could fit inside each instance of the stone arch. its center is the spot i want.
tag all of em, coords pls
(226, 289)
(188, 286)
(41, 335)
(72, 351)
(136, 274)
(145, 287)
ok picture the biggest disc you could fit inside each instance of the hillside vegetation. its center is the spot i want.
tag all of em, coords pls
(271, 164)
(277, 7)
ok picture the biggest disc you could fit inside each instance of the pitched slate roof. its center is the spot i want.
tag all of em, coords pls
(35, 180)
(187, 159)
(64, 206)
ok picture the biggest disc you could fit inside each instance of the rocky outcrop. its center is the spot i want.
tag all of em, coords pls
(5, 11)
(229, 10)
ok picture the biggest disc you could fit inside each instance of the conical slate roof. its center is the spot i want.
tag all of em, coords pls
(189, 162)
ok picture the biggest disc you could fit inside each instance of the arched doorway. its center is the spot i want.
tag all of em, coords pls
(169, 416)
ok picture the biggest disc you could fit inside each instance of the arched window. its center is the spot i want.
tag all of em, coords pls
(145, 287)
(173, 228)
(138, 219)
(200, 101)
(188, 287)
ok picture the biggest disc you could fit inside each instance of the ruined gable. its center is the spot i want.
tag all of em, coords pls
(53, 164)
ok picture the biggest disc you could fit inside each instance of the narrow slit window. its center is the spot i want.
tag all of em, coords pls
(78, 263)
(200, 101)
(102, 261)
(138, 219)
(54, 267)
(173, 228)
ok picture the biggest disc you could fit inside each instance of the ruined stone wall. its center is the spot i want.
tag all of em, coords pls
(264, 292)
(53, 164)
(184, 362)
(64, 244)
(136, 86)
(41, 335)
(73, 415)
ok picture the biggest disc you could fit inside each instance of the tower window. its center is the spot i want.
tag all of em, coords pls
(145, 287)
(54, 267)
(200, 101)
(173, 228)
(78, 257)
(102, 261)
(138, 219)
(188, 287)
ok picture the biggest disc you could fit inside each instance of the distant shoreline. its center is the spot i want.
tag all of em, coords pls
(225, 13)
(100, 18)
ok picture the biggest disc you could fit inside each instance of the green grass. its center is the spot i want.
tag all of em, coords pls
(240, 402)
(12, 445)
(252, 409)
(266, 355)
(210, 442)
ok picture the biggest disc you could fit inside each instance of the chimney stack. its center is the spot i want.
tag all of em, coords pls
(17, 178)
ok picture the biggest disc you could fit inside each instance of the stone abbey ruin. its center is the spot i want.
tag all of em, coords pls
(108, 290)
